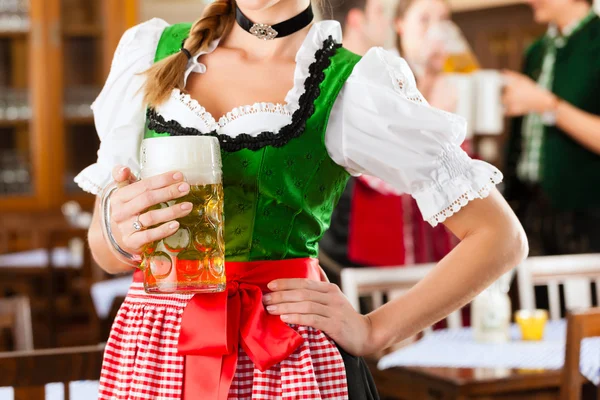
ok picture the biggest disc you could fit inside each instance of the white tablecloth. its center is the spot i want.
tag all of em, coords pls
(55, 391)
(104, 293)
(458, 349)
(61, 258)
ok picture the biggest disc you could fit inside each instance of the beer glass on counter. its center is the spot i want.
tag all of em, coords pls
(193, 259)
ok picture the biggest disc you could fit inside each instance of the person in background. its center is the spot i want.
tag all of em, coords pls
(374, 225)
(409, 239)
(553, 157)
(364, 25)
(413, 20)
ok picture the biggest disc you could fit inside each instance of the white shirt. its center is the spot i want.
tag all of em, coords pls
(379, 125)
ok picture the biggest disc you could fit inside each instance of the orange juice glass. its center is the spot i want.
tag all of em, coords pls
(532, 323)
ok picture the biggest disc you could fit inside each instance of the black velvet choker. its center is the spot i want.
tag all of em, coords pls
(282, 29)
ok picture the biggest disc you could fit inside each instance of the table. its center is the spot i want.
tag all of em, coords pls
(425, 383)
(103, 293)
(451, 365)
(62, 257)
(56, 391)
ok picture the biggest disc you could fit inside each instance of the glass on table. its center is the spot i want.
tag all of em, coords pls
(532, 323)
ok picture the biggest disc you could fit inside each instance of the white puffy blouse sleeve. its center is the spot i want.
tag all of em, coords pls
(381, 125)
(119, 111)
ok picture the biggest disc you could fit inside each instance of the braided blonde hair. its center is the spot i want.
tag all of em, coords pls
(168, 74)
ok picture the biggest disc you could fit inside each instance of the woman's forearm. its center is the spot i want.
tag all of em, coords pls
(101, 251)
(482, 257)
(583, 127)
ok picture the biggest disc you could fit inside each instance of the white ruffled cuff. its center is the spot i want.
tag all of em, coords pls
(94, 178)
(440, 202)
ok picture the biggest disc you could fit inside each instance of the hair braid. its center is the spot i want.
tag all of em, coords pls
(168, 74)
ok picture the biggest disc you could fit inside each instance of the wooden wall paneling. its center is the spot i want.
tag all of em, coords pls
(55, 127)
(466, 5)
(118, 16)
(499, 35)
(40, 75)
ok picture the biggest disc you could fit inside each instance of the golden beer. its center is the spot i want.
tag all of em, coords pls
(462, 63)
(459, 55)
(192, 259)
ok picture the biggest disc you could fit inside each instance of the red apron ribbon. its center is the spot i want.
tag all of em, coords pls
(213, 325)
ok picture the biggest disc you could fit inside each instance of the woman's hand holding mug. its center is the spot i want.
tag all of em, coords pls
(130, 202)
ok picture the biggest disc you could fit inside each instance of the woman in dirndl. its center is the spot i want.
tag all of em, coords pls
(315, 114)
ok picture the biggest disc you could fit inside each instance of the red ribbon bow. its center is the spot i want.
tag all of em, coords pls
(213, 325)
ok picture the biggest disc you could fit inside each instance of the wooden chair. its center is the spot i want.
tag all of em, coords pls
(387, 283)
(574, 272)
(332, 268)
(580, 325)
(29, 372)
(15, 314)
(26, 231)
(75, 301)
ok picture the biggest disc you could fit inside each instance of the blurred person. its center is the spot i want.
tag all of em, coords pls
(364, 25)
(553, 154)
(376, 207)
(413, 20)
(284, 167)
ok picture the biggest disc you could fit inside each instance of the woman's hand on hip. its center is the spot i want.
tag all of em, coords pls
(323, 306)
(134, 198)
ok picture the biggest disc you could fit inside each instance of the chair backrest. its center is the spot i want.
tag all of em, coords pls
(575, 273)
(29, 372)
(18, 311)
(386, 283)
(78, 289)
(581, 324)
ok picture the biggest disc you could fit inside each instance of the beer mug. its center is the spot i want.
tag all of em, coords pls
(489, 115)
(459, 55)
(192, 260)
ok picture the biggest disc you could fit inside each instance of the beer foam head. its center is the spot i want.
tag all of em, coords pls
(197, 157)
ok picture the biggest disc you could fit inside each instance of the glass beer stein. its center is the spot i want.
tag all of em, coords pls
(193, 259)
(459, 55)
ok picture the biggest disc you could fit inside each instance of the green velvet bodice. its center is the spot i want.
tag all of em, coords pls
(280, 188)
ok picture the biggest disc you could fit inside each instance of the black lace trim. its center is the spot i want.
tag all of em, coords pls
(312, 90)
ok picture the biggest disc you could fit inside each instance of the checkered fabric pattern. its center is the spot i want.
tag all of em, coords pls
(528, 168)
(141, 360)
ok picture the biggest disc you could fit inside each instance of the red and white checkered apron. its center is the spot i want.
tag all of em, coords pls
(142, 362)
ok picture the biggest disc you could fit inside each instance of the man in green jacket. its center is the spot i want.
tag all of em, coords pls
(553, 159)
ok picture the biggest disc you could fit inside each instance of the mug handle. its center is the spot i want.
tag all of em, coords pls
(105, 213)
